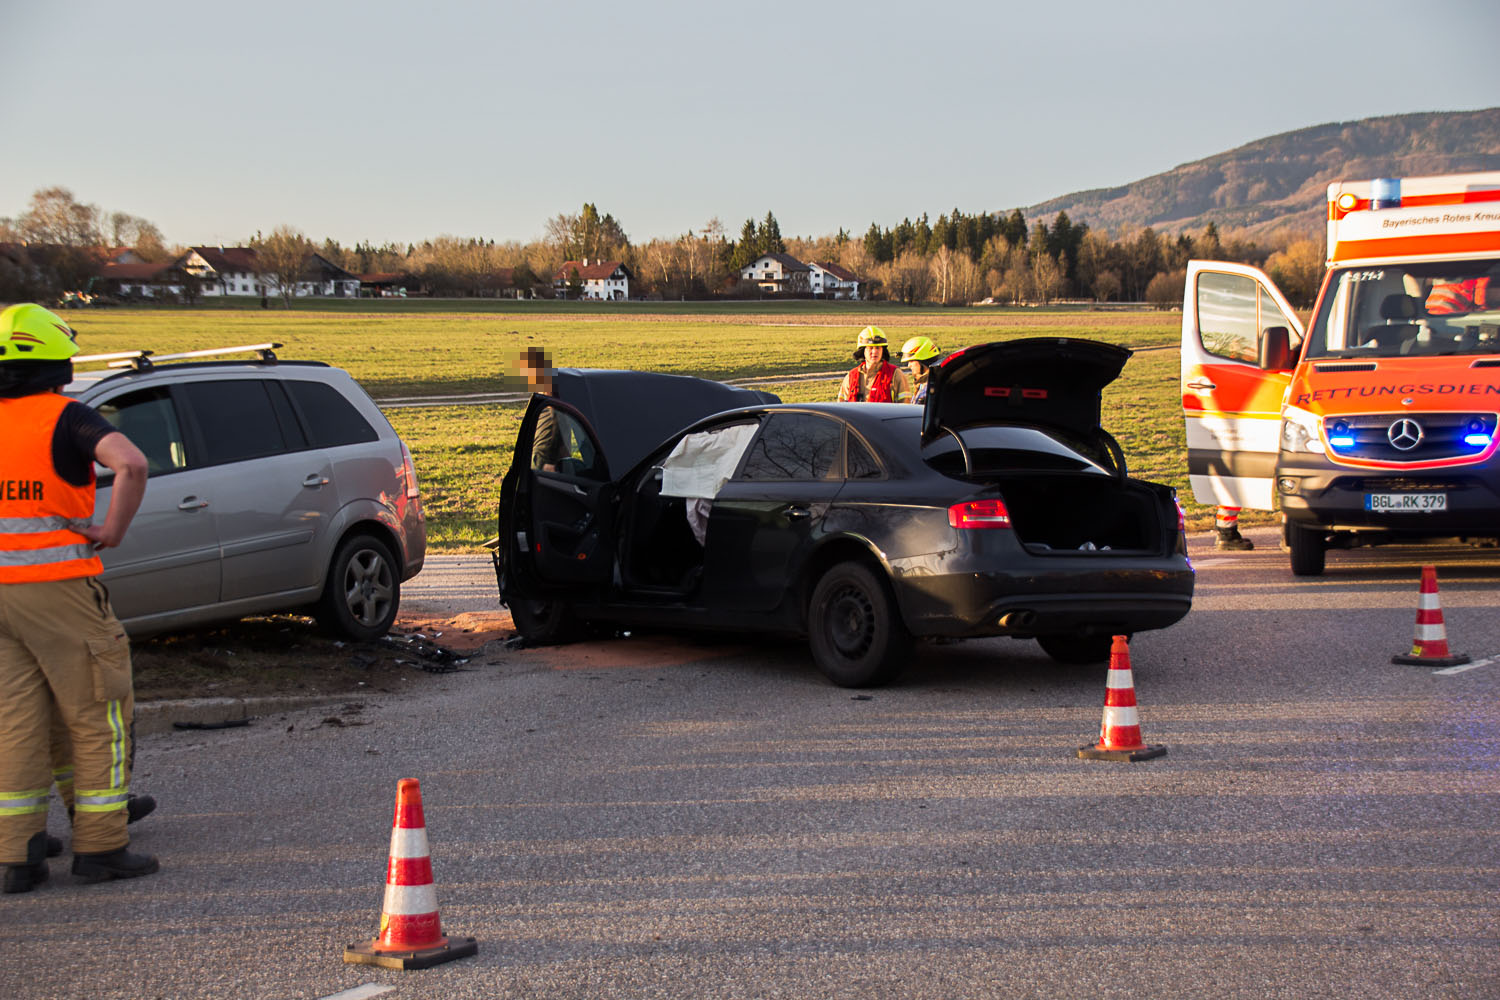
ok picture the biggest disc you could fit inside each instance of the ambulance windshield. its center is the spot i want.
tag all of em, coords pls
(1414, 309)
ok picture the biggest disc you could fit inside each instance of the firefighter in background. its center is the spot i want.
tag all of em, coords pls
(874, 379)
(61, 647)
(1227, 524)
(917, 354)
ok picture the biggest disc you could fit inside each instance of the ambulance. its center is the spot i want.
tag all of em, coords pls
(1377, 422)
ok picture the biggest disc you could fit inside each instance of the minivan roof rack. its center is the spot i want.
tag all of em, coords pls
(143, 360)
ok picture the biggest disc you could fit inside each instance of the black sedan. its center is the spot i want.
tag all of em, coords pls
(998, 508)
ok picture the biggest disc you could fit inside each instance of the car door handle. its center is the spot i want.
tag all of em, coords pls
(192, 503)
(314, 481)
(793, 512)
(1200, 385)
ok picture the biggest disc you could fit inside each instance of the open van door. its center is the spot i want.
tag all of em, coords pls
(1240, 341)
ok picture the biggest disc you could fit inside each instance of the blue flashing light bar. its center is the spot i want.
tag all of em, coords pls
(1342, 441)
(1385, 192)
(1478, 440)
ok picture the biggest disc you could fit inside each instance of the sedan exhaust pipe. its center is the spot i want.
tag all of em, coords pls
(1017, 620)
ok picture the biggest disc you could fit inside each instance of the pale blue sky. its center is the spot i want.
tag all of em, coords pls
(403, 121)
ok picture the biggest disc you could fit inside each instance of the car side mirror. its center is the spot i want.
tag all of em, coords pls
(1274, 349)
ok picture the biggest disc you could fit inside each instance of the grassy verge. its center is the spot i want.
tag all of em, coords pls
(411, 347)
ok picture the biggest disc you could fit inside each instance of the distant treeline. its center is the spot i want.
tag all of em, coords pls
(960, 258)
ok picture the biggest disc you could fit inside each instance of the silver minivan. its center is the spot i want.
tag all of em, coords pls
(273, 486)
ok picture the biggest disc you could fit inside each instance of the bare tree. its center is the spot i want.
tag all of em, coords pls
(56, 217)
(281, 260)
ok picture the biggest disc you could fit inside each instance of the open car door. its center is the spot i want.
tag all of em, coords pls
(1240, 341)
(556, 515)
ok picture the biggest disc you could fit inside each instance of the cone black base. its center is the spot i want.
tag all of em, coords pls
(1430, 661)
(364, 953)
(1092, 752)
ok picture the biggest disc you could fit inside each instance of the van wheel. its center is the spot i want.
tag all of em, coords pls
(856, 634)
(363, 589)
(1077, 649)
(543, 623)
(1307, 547)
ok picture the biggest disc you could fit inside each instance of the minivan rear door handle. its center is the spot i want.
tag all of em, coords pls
(314, 481)
(192, 503)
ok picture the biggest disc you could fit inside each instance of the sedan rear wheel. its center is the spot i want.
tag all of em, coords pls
(856, 634)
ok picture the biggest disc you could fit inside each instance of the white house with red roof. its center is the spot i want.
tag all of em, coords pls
(777, 272)
(608, 280)
(831, 281)
(224, 270)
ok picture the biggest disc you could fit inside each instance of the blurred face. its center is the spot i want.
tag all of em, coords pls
(538, 379)
(872, 355)
(915, 368)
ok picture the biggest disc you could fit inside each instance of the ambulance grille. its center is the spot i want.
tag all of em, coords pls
(1352, 366)
(1407, 437)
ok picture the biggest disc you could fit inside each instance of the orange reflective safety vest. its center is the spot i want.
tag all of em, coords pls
(39, 510)
(1458, 296)
(880, 385)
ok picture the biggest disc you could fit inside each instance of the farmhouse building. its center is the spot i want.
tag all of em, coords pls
(224, 270)
(830, 281)
(777, 272)
(600, 279)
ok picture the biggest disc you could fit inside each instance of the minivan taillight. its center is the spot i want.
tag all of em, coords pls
(413, 491)
(975, 514)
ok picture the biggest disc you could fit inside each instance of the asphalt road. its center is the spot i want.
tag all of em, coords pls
(657, 816)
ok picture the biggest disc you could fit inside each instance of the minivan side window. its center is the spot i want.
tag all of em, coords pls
(149, 419)
(796, 446)
(237, 418)
(330, 419)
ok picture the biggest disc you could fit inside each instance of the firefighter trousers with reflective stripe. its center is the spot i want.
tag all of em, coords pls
(62, 650)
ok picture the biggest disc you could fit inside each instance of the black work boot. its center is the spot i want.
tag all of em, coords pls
(32, 872)
(54, 846)
(1232, 540)
(119, 863)
(139, 807)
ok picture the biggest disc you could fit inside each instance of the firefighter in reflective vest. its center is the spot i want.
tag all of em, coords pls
(918, 354)
(874, 379)
(61, 647)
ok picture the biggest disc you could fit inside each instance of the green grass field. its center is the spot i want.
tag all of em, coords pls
(411, 347)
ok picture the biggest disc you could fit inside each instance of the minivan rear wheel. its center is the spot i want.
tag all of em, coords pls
(856, 633)
(363, 590)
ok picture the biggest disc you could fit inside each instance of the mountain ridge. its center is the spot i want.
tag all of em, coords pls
(1280, 182)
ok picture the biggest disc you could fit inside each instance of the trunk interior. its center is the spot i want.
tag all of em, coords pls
(1073, 513)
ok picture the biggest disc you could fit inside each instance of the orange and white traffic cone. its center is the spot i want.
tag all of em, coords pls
(411, 935)
(1120, 733)
(1430, 648)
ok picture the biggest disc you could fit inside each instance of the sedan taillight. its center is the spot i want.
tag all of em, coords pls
(409, 472)
(976, 514)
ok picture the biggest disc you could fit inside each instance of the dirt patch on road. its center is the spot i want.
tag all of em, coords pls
(288, 655)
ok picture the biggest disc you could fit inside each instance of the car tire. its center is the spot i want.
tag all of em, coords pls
(1308, 549)
(544, 623)
(1076, 649)
(856, 634)
(363, 591)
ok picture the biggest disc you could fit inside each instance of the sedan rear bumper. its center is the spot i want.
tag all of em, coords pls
(1097, 603)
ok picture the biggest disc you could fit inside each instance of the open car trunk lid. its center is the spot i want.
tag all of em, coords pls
(1053, 383)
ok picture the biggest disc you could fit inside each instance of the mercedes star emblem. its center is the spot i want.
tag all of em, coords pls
(1405, 434)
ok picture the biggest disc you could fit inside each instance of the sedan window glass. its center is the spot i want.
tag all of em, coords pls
(149, 420)
(796, 446)
(561, 444)
(862, 464)
(237, 419)
(1006, 449)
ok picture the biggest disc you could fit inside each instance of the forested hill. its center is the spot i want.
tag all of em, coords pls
(1282, 182)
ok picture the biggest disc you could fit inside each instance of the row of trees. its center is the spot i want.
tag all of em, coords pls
(960, 258)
